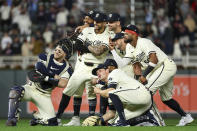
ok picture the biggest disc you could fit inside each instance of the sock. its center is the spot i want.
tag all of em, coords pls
(118, 106)
(174, 105)
(92, 106)
(77, 106)
(103, 105)
(63, 104)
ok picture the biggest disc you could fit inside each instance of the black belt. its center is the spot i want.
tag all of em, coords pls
(89, 63)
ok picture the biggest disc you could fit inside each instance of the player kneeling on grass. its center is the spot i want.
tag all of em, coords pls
(130, 98)
(52, 70)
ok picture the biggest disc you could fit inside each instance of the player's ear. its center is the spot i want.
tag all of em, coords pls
(118, 22)
(111, 68)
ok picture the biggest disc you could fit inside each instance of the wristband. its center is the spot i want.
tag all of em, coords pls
(148, 70)
(152, 64)
(51, 80)
(137, 77)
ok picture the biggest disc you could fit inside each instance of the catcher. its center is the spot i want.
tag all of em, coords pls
(130, 99)
(52, 70)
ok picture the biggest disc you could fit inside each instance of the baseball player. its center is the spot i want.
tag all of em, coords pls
(114, 23)
(130, 98)
(77, 99)
(159, 70)
(124, 62)
(88, 21)
(96, 40)
(118, 42)
(52, 70)
(114, 27)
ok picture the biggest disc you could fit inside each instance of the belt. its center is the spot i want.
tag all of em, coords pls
(89, 63)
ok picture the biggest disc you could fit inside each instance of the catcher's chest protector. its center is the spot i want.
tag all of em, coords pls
(55, 68)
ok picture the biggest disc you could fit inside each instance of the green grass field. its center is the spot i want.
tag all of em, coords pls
(23, 125)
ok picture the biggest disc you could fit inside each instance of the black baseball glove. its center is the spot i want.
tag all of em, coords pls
(35, 76)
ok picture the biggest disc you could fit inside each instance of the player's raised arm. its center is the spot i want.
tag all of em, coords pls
(97, 50)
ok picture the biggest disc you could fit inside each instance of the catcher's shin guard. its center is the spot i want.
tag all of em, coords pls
(15, 96)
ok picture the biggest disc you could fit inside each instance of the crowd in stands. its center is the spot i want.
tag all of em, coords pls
(29, 27)
(172, 25)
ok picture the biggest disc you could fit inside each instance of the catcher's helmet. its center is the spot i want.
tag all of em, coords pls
(66, 46)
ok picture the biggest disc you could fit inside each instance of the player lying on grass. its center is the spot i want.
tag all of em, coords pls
(129, 98)
(52, 70)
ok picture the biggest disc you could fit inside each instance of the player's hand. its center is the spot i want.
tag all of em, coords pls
(97, 90)
(143, 80)
(80, 28)
(94, 81)
(57, 77)
(111, 44)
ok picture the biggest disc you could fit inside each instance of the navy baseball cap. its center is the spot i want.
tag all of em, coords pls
(118, 36)
(100, 17)
(91, 14)
(132, 29)
(113, 17)
(108, 62)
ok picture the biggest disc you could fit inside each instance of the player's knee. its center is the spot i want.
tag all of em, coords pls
(17, 92)
(166, 101)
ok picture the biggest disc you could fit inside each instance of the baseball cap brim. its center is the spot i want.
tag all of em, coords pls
(118, 36)
(100, 66)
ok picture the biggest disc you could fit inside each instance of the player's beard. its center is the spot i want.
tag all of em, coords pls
(99, 29)
(128, 40)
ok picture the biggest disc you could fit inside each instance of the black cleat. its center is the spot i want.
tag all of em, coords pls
(33, 122)
(11, 122)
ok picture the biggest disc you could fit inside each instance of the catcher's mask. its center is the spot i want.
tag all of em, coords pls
(66, 45)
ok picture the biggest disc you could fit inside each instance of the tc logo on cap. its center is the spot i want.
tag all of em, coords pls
(91, 12)
(110, 15)
(97, 15)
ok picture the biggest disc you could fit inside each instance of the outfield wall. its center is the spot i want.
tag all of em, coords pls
(184, 91)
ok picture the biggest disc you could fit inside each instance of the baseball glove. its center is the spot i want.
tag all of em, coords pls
(35, 76)
(92, 121)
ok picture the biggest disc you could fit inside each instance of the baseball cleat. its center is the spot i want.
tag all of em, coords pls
(120, 123)
(11, 122)
(185, 120)
(75, 121)
(59, 121)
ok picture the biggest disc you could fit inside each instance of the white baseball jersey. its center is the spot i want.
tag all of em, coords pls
(162, 76)
(129, 51)
(88, 34)
(134, 96)
(83, 72)
(130, 54)
(144, 48)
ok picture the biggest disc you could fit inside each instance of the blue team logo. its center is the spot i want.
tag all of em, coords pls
(97, 15)
(140, 56)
